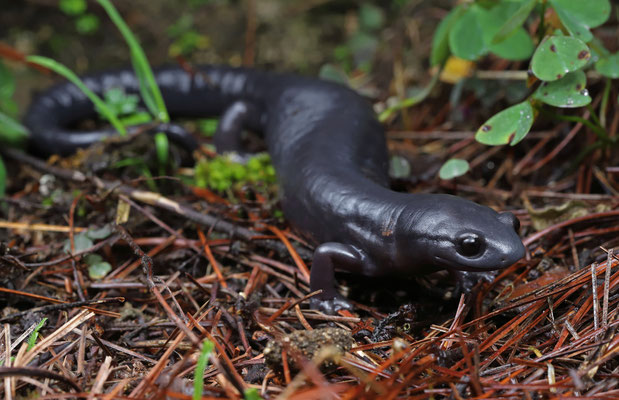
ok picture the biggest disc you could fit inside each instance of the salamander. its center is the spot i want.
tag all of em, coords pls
(331, 160)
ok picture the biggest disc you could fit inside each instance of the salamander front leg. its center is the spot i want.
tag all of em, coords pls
(228, 136)
(466, 280)
(327, 257)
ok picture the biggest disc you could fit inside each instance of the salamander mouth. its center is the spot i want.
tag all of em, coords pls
(444, 263)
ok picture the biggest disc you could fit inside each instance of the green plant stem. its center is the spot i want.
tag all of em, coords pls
(11, 131)
(143, 69)
(411, 101)
(542, 23)
(32, 339)
(2, 178)
(604, 103)
(594, 116)
(599, 132)
(585, 152)
(162, 148)
(60, 69)
(599, 49)
(198, 379)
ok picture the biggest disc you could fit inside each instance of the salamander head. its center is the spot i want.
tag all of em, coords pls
(458, 234)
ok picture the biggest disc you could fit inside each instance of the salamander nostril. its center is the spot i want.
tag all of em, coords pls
(510, 219)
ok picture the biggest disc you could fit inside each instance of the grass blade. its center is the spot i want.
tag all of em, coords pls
(410, 101)
(2, 178)
(70, 75)
(11, 131)
(515, 21)
(198, 379)
(148, 86)
(32, 339)
(162, 148)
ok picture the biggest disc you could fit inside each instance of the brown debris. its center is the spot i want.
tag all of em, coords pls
(190, 266)
(307, 345)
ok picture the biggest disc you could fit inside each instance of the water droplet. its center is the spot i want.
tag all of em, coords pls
(584, 92)
(569, 101)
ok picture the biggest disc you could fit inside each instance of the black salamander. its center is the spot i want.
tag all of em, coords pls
(331, 159)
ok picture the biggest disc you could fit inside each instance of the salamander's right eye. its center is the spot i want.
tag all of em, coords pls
(470, 245)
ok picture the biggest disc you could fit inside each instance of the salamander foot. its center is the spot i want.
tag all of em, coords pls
(330, 306)
(466, 280)
(322, 276)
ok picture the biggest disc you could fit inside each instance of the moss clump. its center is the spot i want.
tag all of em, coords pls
(222, 173)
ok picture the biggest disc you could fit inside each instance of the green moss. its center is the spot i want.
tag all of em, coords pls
(222, 173)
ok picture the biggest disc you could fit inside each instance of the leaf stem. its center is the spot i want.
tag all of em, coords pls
(594, 117)
(148, 85)
(599, 132)
(542, 24)
(604, 103)
(584, 153)
(198, 379)
(60, 69)
(411, 101)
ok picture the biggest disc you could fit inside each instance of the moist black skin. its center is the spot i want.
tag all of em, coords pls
(331, 159)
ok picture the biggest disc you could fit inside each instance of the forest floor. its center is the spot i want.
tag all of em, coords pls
(127, 272)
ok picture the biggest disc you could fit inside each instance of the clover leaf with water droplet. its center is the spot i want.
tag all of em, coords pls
(509, 126)
(567, 92)
(559, 55)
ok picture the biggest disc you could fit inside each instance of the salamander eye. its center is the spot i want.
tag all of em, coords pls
(470, 245)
